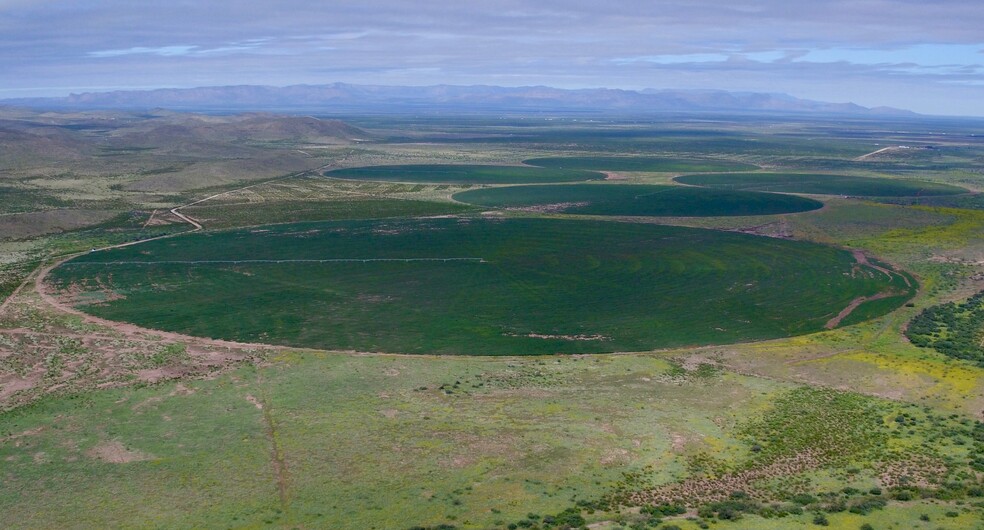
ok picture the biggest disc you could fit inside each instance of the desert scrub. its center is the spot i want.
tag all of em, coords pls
(829, 425)
(953, 329)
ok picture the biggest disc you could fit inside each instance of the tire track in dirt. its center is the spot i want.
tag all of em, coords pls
(833, 323)
(131, 330)
(27, 280)
(862, 259)
(278, 459)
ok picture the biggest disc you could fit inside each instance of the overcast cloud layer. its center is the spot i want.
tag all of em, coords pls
(919, 55)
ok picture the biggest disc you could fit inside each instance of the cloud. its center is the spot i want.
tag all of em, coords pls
(895, 46)
(163, 51)
(249, 45)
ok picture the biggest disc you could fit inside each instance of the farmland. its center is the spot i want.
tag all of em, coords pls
(509, 347)
(477, 286)
(640, 163)
(464, 174)
(822, 184)
(637, 200)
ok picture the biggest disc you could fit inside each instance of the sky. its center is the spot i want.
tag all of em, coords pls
(926, 56)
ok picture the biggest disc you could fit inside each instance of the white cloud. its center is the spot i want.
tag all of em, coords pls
(163, 51)
(801, 47)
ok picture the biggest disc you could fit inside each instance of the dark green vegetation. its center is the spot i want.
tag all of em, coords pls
(637, 200)
(464, 174)
(821, 184)
(520, 286)
(224, 216)
(639, 163)
(953, 329)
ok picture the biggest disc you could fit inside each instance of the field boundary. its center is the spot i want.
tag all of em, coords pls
(261, 261)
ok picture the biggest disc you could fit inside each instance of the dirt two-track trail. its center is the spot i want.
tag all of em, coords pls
(862, 260)
(40, 274)
(135, 333)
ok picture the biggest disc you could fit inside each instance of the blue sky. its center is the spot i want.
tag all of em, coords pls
(923, 56)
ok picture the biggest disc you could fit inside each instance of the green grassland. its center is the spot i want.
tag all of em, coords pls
(822, 184)
(526, 286)
(463, 174)
(640, 163)
(973, 201)
(230, 215)
(638, 200)
(353, 442)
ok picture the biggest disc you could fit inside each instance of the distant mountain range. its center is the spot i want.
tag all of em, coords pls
(340, 97)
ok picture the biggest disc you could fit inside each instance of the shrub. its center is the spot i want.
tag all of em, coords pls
(803, 499)
(867, 505)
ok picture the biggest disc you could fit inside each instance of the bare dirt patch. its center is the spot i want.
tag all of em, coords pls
(22, 434)
(114, 452)
(560, 337)
(615, 456)
(256, 403)
(549, 208)
(46, 351)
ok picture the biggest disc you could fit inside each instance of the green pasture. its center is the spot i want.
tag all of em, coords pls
(822, 184)
(360, 442)
(232, 215)
(464, 174)
(652, 164)
(638, 200)
(475, 286)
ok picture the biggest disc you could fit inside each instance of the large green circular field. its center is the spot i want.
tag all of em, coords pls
(464, 174)
(637, 200)
(821, 184)
(476, 286)
(654, 164)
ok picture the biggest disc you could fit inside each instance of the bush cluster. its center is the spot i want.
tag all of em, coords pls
(955, 330)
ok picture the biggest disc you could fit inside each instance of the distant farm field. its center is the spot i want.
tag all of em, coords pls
(822, 184)
(464, 174)
(357, 207)
(476, 286)
(637, 200)
(640, 163)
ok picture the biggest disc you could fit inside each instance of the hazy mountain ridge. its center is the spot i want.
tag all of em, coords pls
(381, 98)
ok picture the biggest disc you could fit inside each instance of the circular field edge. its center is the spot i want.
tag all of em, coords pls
(512, 339)
(638, 200)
